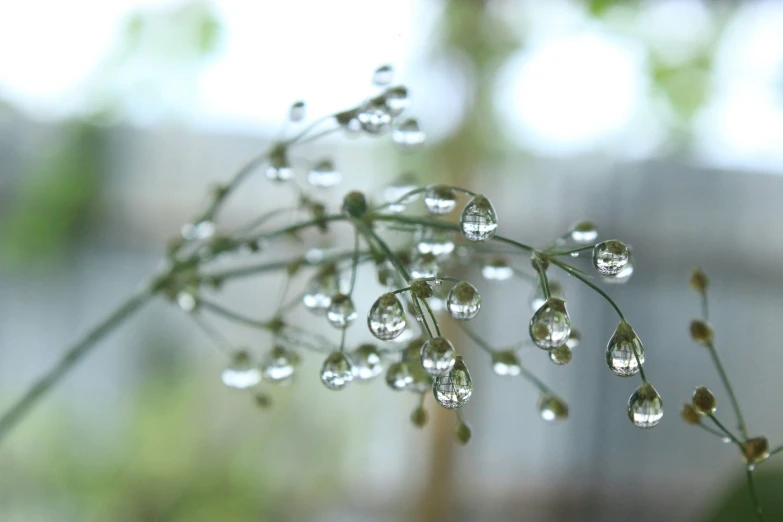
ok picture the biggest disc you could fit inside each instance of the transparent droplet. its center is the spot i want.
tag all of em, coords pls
(726, 440)
(506, 362)
(645, 407)
(421, 380)
(423, 265)
(383, 75)
(386, 273)
(398, 376)
(479, 220)
(201, 230)
(610, 257)
(552, 408)
(550, 326)
(297, 111)
(574, 338)
(279, 168)
(497, 269)
(620, 351)
(279, 364)
(374, 117)
(453, 389)
(187, 298)
(440, 199)
(341, 312)
(366, 362)
(464, 301)
(323, 174)
(386, 319)
(408, 134)
(242, 372)
(319, 291)
(336, 371)
(397, 100)
(625, 274)
(560, 355)
(555, 290)
(584, 232)
(436, 242)
(437, 356)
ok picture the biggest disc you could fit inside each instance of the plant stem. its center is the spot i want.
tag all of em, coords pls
(70, 358)
(725, 378)
(542, 277)
(432, 316)
(710, 430)
(776, 450)
(754, 496)
(586, 281)
(729, 434)
(569, 252)
(372, 236)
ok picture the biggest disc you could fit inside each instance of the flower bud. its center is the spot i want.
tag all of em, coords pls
(704, 401)
(699, 280)
(419, 417)
(701, 332)
(421, 289)
(355, 204)
(690, 415)
(755, 450)
(462, 433)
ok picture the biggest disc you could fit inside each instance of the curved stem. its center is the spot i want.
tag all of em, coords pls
(729, 434)
(710, 430)
(542, 277)
(776, 450)
(372, 236)
(231, 315)
(70, 358)
(569, 252)
(732, 397)
(432, 316)
(575, 273)
(754, 497)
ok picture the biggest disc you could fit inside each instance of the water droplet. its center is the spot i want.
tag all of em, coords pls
(440, 199)
(323, 174)
(341, 312)
(394, 192)
(453, 389)
(550, 326)
(625, 274)
(506, 362)
(201, 230)
(497, 269)
(386, 319)
(726, 440)
(383, 75)
(297, 111)
(574, 338)
(435, 242)
(610, 257)
(423, 265)
(366, 362)
(279, 168)
(575, 254)
(645, 407)
(187, 298)
(620, 351)
(464, 301)
(408, 135)
(279, 364)
(560, 355)
(242, 372)
(584, 232)
(397, 100)
(552, 408)
(319, 291)
(374, 117)
(437, 356)
(555, 290)
(337, 371)
(479, 220)
(398, 376)
(421, 380)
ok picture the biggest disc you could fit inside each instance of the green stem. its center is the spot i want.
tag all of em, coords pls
(729, 434)
(542, 277)
(355, 262)
(69, 359)
(754, 495)
(725, 378)
(776, 450)
(373, 237)
(710, 430)
(232, 316)
(569, 252)
(575, 273)
(432, 316)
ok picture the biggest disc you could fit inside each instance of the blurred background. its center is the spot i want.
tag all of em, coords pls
(661, 121)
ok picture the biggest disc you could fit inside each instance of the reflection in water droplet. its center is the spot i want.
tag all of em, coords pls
(374, 117)
(610, 257)
(552, 408)
(584, 232)
(383, 75)
(497, 269)
(397, 100)
(423, 265)
(398, 376)
(464, 301)
(437, 356)
(337, 371)
(323, 174)
(279, 364)
(574, 338)
(479, 220)
(366, 362)
(550, 326)
(242, 372)
(625, 274)
(386, 319)
(435, 242)
(560, 355)
(505, 363)
(620, 351)
(408, 135)
(453, 389)
(341, 312)
(645, 407)
(440, 199)
(201, 230)
(297, 111)
(319, 291)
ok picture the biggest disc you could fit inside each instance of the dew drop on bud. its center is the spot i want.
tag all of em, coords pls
(437, 356)
(584, 232)
(620, 351)
(423, 265)
(383, 75)
(560, 355)
(374, 117)
(497, 269)
(440, 199)
(279, 364)
(610, 257)
(552, 408)
(386, 319)
(297, 111)
(242, 372)
(408, 135)
(436, 242)
(397, 190)
(337, 371)
(398, 376)
(479, 221)
(396, 100)
(453, 389)
(201, 230)
(555, 290)
(279, 168)
(550, 326)
(187, 298)
(341, 312)
(645, 407)
(324, 175)
(505, 363)
(464, 301)
(319, 291)
(366, 362)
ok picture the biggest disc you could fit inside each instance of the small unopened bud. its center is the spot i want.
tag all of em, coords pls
(421, 289)
(699, 280)
(690, 415)
(704, 401)
(355, 204)
(419, 417)
(701, 332)
(462, 433)
(263, 401)
(756, 450)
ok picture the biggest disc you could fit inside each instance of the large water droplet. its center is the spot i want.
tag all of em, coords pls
(398, 376)
(440, 199)
(319, 291)
(366, 362)
(383, 75)
(279, 168)
(560, 355)
(242, 372)
(201, 230)
(620, 351)
(323, 174)
(279, 364)
(397, 100)
(479, 220)
(297, 111)
(423, 265)
(645, 407)
(506, 362)
(464, 301)
(341, 312)
(437, 356)
(453, 389)
(386, 319)
(610, 257)
(435, 242)
(552, 408)
(497, 269)
(408, 135)
(625, 274)
(337, 371)
(555, 290)
(374, 117)
(584, 232)
(550, 326)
